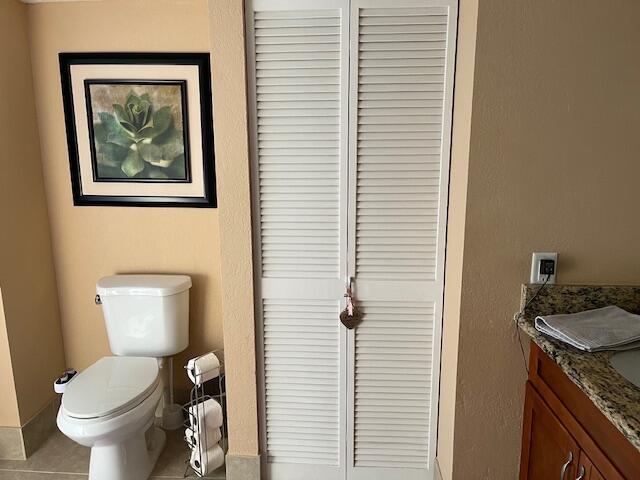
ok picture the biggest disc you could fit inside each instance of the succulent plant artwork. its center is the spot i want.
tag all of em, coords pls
(138, 137)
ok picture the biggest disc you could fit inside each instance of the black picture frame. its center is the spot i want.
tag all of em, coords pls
(203, 64)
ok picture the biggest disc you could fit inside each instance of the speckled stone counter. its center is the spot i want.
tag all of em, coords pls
(616, 397)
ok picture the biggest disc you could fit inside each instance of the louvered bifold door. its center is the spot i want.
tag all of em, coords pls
(298, 60)
(401, 69)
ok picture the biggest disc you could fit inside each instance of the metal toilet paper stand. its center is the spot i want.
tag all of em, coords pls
(196, 397)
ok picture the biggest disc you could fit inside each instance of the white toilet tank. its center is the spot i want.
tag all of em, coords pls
(146, 315)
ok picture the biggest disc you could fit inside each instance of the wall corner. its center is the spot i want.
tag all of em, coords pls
(234, 203)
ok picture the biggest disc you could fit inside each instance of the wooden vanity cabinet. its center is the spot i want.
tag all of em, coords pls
(587, 469)
(548, 448)
(565, 436)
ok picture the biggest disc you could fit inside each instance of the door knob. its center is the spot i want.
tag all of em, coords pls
(582, 473)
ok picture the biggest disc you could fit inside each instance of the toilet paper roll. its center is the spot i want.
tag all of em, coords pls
(204, 368)
(206, 461)
(207, 414)
(209, 438)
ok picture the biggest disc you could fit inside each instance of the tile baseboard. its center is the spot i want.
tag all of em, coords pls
(243, 467)
(18, 443)
(11, 444)
(40, 427)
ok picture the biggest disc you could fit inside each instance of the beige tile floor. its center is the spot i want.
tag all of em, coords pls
(62, 459)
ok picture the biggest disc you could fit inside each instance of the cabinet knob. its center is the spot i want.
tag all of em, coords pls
(563, 470)
(582, 473)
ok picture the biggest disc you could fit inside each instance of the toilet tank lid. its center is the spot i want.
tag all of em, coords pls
(153, 285)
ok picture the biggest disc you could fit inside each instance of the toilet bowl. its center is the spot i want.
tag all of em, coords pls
(110, 407)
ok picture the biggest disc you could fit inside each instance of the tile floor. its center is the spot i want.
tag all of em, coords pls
(62, 459)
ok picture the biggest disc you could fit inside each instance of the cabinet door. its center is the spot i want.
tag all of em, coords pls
(548, 449)
(587, 470)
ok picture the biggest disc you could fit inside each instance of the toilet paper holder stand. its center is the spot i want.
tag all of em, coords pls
(197, 395)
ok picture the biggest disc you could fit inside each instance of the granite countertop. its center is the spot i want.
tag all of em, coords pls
(616, 397)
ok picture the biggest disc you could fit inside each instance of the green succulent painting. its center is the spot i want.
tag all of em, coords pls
(140, 137)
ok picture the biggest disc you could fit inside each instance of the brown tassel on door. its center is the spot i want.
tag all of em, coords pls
(352, 315)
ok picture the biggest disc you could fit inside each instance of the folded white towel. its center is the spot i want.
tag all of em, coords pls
(608, 328)
(203, 368)
(207, 414)
(206, 461)
(206, 439)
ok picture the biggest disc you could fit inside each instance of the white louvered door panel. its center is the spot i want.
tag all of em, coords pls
(298, 60)
(393, 349)
(302, 397)
(350, 113)
(401, 70)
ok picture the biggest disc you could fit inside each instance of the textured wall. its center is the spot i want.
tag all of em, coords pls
(9, 414)
(27, 279)
(553, 165)
(90, 242)
(463, 99)
(213, 246)
(227, 46)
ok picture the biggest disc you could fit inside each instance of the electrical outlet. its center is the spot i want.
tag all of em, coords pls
(543, 264)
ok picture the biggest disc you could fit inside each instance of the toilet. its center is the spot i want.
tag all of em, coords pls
(110, 407)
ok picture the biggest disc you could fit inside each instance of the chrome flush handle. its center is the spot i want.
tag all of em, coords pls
(582, 473)
(563, 471)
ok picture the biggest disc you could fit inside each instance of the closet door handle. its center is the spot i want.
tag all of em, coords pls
(563, 470)
(582, 473)
(352, 315)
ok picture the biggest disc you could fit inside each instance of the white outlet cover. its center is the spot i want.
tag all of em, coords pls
(536, 277)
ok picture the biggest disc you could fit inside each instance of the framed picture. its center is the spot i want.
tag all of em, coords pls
(139, 128)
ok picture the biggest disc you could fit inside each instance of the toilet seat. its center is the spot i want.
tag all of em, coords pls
(111, 386)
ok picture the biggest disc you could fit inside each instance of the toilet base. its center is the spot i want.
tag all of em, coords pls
(133, 459)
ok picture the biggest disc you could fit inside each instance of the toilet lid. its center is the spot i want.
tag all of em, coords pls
(111, 384)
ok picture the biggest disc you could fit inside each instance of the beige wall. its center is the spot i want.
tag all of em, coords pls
(553, 165)
(465, 64)
(27, 278)
(229, 77)
(9, 414)
(554, 107)
(90, 242)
